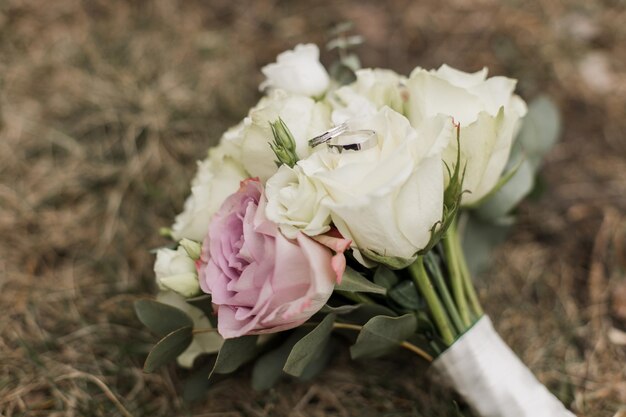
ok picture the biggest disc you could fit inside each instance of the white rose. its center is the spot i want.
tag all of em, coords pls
(298, 71)
(176, 271)
(293, 202)
(304, 117)
(372, 90)
(206, 342)
(486, 109)
(386, 198)
(218, 177)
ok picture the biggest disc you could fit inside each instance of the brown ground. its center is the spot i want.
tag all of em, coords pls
(105, 106)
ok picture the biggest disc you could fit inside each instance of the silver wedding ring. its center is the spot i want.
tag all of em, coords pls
(340, 139)
(353, 140)
(326, 136)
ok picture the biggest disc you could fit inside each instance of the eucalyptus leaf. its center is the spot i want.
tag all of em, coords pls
(204, 303)
(352, 281)
(352, 61)
(382, 334)
(540, 129)
(365, 312)
(385, 277)
(342, 73)
(309, 348)
(315, 367)
(268, 368)
(168, 348)
(161, 318)
(344, 309)
(406, 295)
(234, 353)
(478, 239)
(196, 385)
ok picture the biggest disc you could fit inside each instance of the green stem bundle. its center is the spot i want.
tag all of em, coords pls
(451, 298)
(422, 281)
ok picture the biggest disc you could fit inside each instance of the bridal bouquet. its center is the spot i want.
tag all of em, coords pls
(353, 206)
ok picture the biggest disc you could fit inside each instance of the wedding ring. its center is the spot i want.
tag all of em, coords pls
(326, 136)
(354, 140)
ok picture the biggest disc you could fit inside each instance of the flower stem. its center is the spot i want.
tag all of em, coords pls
(467, 277)
(456, 276)
(445, 295)
(420, 277)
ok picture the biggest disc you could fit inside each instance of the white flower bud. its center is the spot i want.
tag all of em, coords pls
(176, 271)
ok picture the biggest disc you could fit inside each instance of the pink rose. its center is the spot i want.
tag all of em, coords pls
(261, 281)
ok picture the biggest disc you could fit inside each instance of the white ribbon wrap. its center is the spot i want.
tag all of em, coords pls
(492, 379)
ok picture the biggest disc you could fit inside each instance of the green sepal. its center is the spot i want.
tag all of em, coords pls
(392, 262)
(451, 199)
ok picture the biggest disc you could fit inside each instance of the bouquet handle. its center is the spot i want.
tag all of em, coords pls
(492, 379)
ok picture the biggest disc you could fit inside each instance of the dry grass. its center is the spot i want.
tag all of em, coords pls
(105, 106)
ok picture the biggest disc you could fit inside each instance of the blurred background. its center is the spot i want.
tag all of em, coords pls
(106, 105)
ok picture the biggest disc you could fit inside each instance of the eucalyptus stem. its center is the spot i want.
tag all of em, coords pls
(420, 277)
(347, 326)
(456, 276)
(467, 277)
(406, 345)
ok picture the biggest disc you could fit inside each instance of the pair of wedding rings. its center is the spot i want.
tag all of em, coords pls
(339, 139)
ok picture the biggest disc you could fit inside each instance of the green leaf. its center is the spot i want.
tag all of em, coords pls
(197, 384)
(352, 281)
(540, 130)
(478, 240)
(204, 303)
(344, 309)
(342, 73)
(385, 277)
(234, 353)
(365, 312)
(161, 318)
(310, 347)
(382, 334)
(352, 61)
(315, 367)
(168, 348)
(268, 368)
(405, 294)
